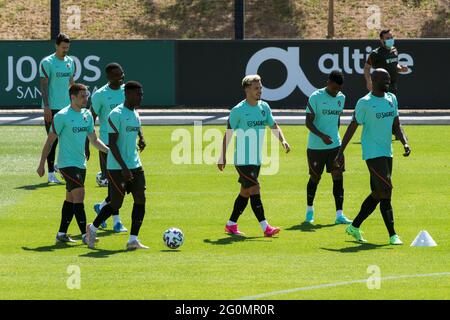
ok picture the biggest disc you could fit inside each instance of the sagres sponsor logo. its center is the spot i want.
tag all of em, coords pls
(198, 145)
(328, 112)
(23, 74)
(382, 115)
(131, 129)
(79, 129)
(349, 61)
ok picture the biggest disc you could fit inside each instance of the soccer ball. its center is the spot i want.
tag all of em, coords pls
(173, 238)
(101, 181)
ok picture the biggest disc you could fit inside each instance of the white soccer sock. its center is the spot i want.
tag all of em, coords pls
(102, 204)
(309, 208)
(116, 218)
(264, 224)
(93, 228)
(339, 213)
(132, 238)
(61, 233)
(231, 223)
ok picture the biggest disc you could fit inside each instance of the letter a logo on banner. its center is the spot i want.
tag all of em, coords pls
(295, 75)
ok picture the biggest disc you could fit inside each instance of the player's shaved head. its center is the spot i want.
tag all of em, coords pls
(381, 80)
(133, 94)
(112, 66)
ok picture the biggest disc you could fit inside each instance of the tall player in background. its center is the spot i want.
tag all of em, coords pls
(56, 72)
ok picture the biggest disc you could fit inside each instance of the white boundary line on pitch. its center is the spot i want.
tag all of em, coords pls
(337, 284)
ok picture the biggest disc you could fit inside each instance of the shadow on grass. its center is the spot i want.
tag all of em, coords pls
(102, 253)
(231, 239)
(38, 186)
(52, 247)
(359, 247)
(308, 227)
(170, 250)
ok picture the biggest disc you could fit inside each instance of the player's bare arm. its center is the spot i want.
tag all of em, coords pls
(367, 76)
(44, 92)
(347, 137)
(116, 153)
(276, 130)
(398, 131)
(226, 141)
(51, 138)
(141, 143)
(97, 143)
(311, 127)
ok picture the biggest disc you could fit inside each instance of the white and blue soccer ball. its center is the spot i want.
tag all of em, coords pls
(101, 181)
(173, 238)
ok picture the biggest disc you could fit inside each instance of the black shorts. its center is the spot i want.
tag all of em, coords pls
(118, 185)
(318, 159)
(380, 173)
(74, 177)
(248, 175)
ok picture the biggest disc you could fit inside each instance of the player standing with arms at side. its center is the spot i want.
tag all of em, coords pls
(103, 101)
(56, 72)
(378, 113)
(71, 126)
(323, 113)
(249, 119)
(124, 167)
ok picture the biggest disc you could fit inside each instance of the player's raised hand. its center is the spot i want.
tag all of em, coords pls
(407, 150)
(40, 170)
(286, 146)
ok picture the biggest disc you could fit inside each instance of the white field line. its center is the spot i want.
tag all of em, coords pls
(338, 284)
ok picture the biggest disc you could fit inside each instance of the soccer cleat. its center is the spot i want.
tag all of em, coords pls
(52, 178)
(135, 245)
(64, 238)
(309, 216)
(118, 227)
(271, 231)
(343, 220)
(97, 211)
(355, 233)
(395, 240)
(233, 230)
(91, 236)
(83, 239)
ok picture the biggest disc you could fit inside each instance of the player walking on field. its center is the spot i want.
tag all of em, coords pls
(56, 72)
(378, 113)
(249, 119)
(323, 113)
(103, 101)
(124, 167)
(71, 126)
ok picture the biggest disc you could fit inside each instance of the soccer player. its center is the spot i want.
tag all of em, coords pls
(323, 113)
(56, 73)
(104, 100)
(378, 113)
(124, 167)
(249, 119)
(71, 125)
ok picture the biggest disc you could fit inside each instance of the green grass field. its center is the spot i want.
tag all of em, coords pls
(210, 264)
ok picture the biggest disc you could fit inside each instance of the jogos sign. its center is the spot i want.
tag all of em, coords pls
(150, 62)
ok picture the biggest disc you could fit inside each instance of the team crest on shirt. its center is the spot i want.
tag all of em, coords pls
(68, 66)
(263, 113)
(339, 103)
(391, 104)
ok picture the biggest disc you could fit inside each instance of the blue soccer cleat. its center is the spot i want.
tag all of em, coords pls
(103, 225)
(119, 227)
(309, 216)
(343, 220)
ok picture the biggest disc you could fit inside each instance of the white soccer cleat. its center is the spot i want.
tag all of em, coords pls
(52, 178)
(135, 245)
(91, 237)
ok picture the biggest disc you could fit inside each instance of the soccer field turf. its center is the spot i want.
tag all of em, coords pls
(212, 265)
